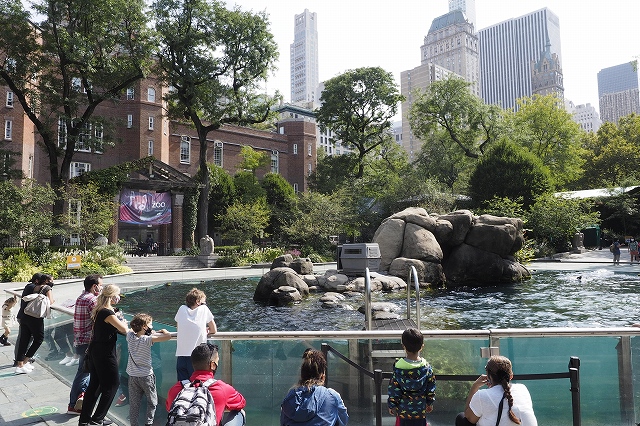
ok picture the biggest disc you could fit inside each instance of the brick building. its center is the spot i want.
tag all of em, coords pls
(140, 129)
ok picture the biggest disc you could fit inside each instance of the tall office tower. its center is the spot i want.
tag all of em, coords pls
(412, 83)
(452, 44)
(467, 6)
(546, 74)
(618, 91)
(304, 59)
(586, 116)
(506, 52)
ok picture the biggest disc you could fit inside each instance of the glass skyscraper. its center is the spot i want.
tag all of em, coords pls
(304, 59)
(618, 91)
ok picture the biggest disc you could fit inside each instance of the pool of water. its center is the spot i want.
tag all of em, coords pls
(599, 298)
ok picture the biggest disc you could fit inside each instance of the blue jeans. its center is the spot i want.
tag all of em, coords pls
(233, 418)
(184, 368)
(81, 381)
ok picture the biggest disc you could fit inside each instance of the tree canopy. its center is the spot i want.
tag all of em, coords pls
(358, 107)
(215, 60)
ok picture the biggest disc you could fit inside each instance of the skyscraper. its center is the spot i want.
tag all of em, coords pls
(618, 91)
(467, 6)
(507, 50)
(304, 59)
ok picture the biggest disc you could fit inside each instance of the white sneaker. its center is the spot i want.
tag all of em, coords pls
(65, 360)
(28, 366)
(74, 361)
(22, 370)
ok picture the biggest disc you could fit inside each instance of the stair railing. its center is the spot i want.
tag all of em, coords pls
(413, 273)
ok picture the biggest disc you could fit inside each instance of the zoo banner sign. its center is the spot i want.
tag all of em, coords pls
(145, 208)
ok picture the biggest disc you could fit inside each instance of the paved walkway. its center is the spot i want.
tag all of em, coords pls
(41, 398)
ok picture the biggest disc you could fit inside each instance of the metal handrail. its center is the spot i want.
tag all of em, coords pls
(367, 298)
(413, 273)
(573, 374)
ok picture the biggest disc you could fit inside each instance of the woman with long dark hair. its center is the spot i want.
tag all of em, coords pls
(104, 377)
(31, 327)
(503, 403)
(310, 403)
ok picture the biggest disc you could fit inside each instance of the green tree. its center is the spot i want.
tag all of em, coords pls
(221, 194)
(332, 172)
(448, 105)
(89, 213)
(509, 171)
(242, 222)
(215, 60)
(544, 127)
(247, 188)
(358, 106)
(281, 200)
(556, 220)
(25, 212)
(62, 59)
(252, 159)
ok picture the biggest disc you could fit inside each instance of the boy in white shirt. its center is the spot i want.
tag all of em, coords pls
(194, 323)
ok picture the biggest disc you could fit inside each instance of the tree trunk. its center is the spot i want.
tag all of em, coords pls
(205, 184)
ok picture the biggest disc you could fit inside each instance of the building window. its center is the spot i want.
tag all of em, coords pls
(309, 168)
(76, 83)
(150, 148)
(9, 102)
(185, 150)
(8, 129)
(129, 121)
(217, 153)
(295, 188)
(130, 94)
(75, 208)
(62, 133)
(151, 94)
(151, 120)
(295, 149)
(84, 136)
(78, 168)
(275, 162)
(309, 150)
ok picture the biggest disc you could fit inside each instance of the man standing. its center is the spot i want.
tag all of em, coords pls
(82, 329)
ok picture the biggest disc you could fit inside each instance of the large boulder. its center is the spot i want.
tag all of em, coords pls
(302, 266)
(277, 278)
(421, 244)
(468, 265)
(498, 239)
(389, 237)
(428, 273)
(461, 221)
(283, 261)
(284, 296)
(378, 282)
(332, 280)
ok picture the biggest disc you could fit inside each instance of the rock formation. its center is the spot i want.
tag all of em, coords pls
(457, 248)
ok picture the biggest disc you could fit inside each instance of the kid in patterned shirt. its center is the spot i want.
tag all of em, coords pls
(412, 388)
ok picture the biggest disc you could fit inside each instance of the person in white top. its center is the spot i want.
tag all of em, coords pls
(483, 406)
(194, 323)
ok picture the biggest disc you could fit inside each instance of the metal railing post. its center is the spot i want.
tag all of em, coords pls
(574, 378)
(367, 298)
(377, 378)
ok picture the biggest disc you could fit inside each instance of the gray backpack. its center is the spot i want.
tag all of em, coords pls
(193, 406)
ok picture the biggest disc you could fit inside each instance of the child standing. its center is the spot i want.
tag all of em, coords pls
(7, 319)
(412, 388)
(142, 380)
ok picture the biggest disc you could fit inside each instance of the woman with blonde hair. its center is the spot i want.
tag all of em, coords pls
(310, 403)
(103, 364)
(487, 407)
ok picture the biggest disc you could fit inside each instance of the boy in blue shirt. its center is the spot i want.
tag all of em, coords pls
(412, 388)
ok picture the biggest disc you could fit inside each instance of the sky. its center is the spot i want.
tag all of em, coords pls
(595, 34)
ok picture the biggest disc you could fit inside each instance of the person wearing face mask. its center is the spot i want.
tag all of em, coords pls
(82, 327)
(194, 322)
(103, 364)
(142, 380)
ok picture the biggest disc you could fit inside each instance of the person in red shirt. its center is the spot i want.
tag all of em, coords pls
(228, 401)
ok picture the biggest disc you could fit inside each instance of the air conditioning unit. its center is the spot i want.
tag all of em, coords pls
(354, 258)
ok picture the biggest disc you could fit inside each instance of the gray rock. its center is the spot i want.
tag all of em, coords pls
(428, 273)
(461, 221)
(382, 315)
(498, 239)
(389, 237)
(380, 307)
(302, 266)
(284, 295)
(421, 244)
(276, 278)
(332, 280)
(282, 261)
(443, 232)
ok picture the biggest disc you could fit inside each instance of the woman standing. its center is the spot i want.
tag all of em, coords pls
(503, 403)
(103, 364)
(310, 403)
(31, 327)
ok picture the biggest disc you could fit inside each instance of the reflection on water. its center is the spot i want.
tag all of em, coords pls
(598, 298)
